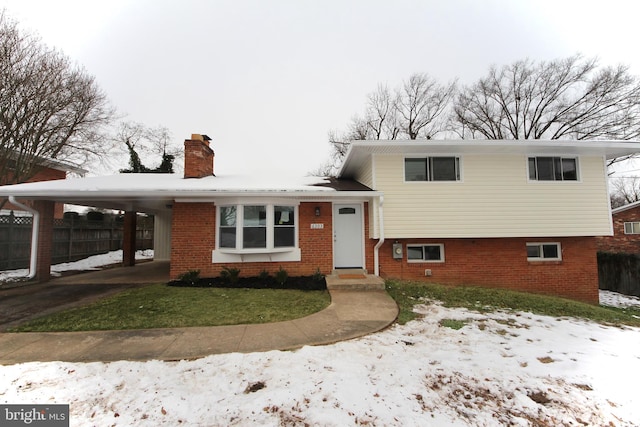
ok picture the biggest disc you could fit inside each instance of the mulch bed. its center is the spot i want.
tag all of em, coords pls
(307, 283)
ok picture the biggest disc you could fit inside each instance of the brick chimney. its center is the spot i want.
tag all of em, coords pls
(198, 157)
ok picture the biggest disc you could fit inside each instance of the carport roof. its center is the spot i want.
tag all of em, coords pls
(157, 192)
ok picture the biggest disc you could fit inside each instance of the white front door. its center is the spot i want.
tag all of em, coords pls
(348, 238)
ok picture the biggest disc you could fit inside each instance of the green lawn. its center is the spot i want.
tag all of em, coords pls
(160, 306)
(407, 294)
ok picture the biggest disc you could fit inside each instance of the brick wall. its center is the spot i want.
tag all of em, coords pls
(502, 263)
(193, 240)
(45, 174)
(198, 158)
(498, 263)
(620, 242)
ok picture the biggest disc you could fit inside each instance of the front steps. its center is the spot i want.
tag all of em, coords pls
(353, 279)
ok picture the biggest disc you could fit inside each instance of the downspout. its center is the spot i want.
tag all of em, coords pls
(376, 257)
(34, 235)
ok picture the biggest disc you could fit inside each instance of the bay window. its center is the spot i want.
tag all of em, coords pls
(254, 227)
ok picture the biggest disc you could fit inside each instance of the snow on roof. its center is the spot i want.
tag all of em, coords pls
(156, 191)
(144, 184)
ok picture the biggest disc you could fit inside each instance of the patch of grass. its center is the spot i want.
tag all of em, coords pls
(452, 323)
(162, 306)
(407, 294)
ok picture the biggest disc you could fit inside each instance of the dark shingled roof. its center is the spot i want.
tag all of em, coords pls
(344, 185)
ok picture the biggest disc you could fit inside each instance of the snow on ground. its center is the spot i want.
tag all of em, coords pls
(502, 368)
(91, 263)
(614, 299)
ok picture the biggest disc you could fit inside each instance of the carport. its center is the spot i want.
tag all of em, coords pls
(108, 192)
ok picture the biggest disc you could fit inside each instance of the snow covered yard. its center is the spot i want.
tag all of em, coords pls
(498, 369)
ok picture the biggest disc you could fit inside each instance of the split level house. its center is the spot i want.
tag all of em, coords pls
(521, 215)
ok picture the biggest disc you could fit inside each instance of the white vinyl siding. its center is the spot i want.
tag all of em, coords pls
(496, 199)
(365, 174)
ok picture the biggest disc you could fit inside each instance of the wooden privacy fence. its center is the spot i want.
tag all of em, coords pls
(74, 238)
(619, 273)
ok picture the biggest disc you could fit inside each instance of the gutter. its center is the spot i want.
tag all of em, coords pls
(376, 257)
(35, 228)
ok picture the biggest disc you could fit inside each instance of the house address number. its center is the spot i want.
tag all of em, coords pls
(317, 226)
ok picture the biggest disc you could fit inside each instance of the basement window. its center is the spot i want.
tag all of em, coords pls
(425, 253)
(632, 228)
(544, 252)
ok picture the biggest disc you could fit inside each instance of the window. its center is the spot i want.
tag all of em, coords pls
(228, 216)
(432, 169)
(553, 168)
(284, 228)
(256, 227)
(425, 253)
(544, 252)
(632, 228)
(347, 211)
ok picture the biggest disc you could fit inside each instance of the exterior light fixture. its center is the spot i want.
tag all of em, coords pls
(317, 210)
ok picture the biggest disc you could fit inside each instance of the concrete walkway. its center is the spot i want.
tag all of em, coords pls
(351, 314)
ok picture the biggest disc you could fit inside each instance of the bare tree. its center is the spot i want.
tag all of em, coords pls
(417, 109)
(625, 190)
(49, 107)
(570, 98)
(421, 104)
(381, 116)
(358, 130)
(152, 143)
(161, 142)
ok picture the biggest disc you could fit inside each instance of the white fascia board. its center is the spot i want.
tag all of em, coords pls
(299, 195)
(625, 207)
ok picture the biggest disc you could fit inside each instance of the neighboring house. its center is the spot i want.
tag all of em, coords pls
(626, 231)
(512, 214)
(48, 170)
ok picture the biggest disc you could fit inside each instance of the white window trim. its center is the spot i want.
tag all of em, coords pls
(546, 182)
(442, 256)
(267, 254)
(423, 156)
(630, 222)
(542, 259)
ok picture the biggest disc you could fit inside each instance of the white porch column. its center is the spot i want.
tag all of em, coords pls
(162, 236)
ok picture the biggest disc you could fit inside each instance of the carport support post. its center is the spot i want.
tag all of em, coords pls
(45, 239)
(129, 239)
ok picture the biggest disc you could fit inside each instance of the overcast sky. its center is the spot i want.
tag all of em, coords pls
(267, 80)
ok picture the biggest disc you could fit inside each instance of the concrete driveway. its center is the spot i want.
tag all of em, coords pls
(26, 302)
